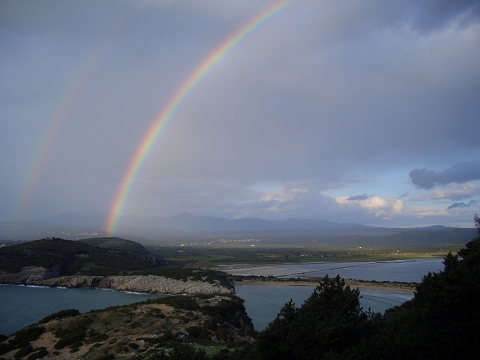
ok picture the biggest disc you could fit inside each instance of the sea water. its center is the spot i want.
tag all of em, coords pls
(21, 305)
(263, 302)
(396, 270)
(24, 305)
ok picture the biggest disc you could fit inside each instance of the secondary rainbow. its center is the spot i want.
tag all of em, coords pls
(166, 114)
(72, 90)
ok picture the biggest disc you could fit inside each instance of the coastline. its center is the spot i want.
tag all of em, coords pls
(313, 282)
(147, 284)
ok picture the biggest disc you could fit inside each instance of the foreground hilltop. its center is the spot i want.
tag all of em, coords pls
(208, 322)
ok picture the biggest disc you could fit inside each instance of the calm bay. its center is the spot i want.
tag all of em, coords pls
(25, 305)
(263, 302)
(393, 270)
(21, 305)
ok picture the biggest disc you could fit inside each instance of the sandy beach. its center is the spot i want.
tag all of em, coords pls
(313, 282)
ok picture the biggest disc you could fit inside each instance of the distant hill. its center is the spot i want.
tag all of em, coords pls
(75, 258)
(115, 243)
(430, 236)
(33, 230)
(186, 222)
(186, 227)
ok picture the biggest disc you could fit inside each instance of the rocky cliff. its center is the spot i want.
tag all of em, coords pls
(152, 284)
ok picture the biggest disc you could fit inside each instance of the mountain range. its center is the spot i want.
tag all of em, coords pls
(186, 225)
(186, 222)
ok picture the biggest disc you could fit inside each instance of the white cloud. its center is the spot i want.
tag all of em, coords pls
(385, 208)
(453, 192)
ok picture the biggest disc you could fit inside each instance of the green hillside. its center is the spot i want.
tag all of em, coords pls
(75, 258)
(115, 243)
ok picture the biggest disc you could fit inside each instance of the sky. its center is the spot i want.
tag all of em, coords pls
(354, 111)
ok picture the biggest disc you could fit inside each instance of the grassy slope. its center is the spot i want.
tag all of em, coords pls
(137, 329)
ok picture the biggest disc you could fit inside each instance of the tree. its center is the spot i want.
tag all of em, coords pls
(330, 323)
(273, 342)
(442, 321)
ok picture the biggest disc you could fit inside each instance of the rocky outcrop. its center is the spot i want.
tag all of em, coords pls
(135, 283)
(161, 285)
(74, 281)
(31, 275)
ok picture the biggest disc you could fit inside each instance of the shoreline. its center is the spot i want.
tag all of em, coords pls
(313, 282)
(147, 284)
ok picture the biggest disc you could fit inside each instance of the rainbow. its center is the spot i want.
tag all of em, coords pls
(66, 102)
(186, 87)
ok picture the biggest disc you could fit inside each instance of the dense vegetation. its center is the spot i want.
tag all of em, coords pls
(74, 258)
(115, 243)
(442, 321)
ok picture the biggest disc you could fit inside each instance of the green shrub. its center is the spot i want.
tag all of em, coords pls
(222, 354)
(205, 296)
(60, 315)
(185, 319)
(65, 341)
(237, 344)
(195, 332)
(59, 333)
(106, 357)
(76, 345)
(178, 302)
(75, 332)
(22, 344)
(23, 352)
(5, 348)
(38, 354)
(170, 344)
(93, 333)
(28, 334)
(157, 313)
(98, 338)
(203, 342)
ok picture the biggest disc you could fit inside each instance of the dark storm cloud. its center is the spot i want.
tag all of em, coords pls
(460, 173)
(433, 14)
(329, 102)
(359, 197)
(463, 204)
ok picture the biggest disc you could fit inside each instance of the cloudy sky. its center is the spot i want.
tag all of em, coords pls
(352, 111)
